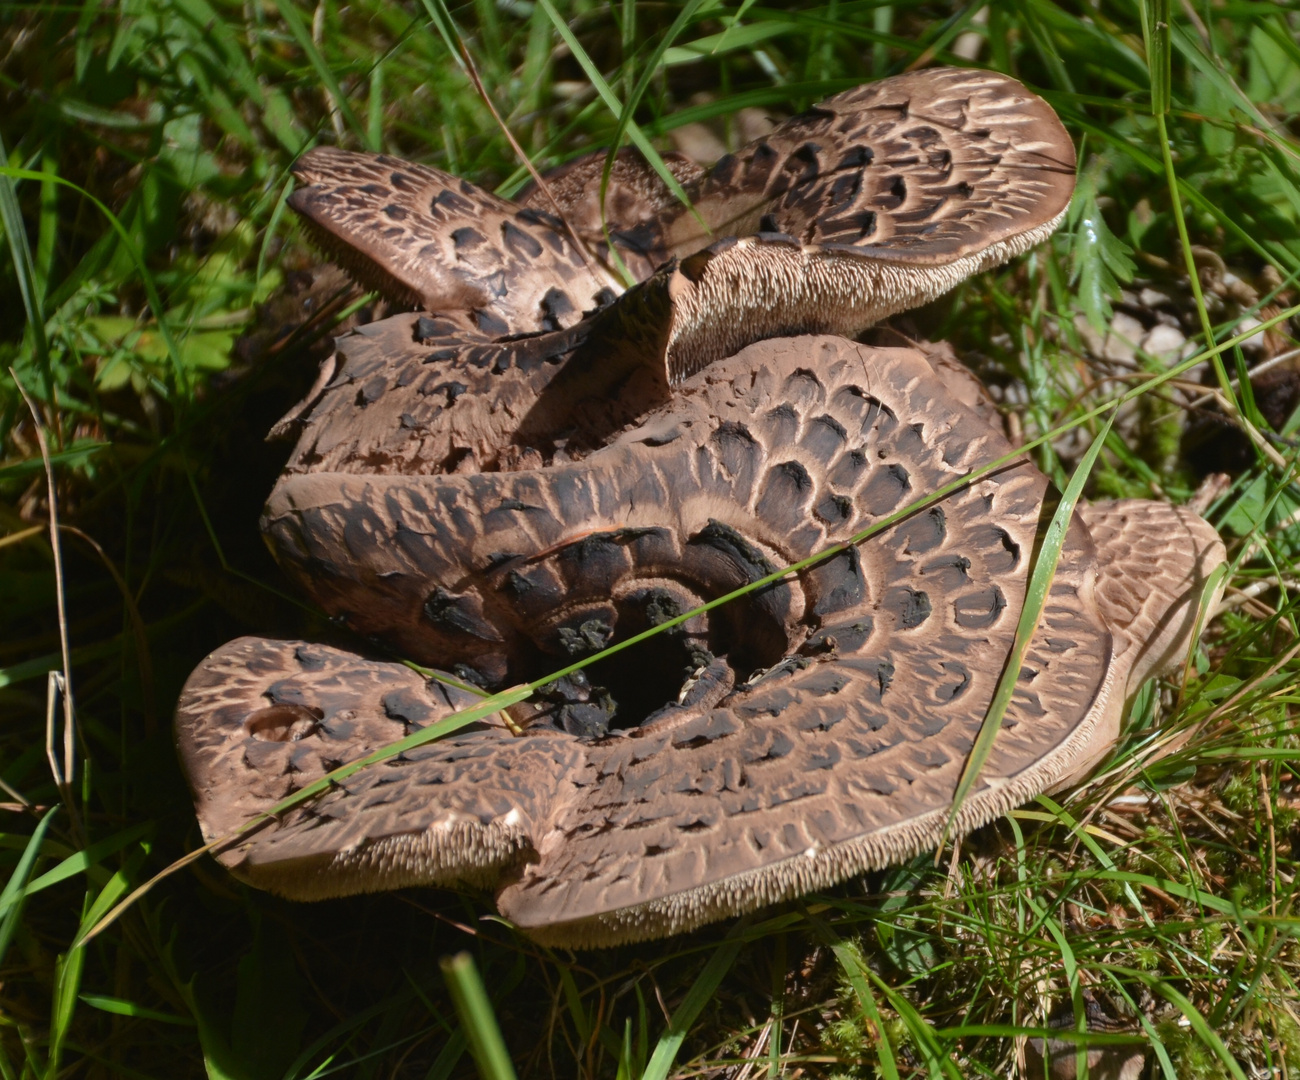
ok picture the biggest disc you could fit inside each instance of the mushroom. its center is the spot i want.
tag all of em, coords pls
(873, 202)
(498, 506)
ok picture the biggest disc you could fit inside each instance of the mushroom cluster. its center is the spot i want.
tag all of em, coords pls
(533, 466)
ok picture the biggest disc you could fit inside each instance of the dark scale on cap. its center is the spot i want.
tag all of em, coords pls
(979, 610)
(834, 510)
(735, 447)
(724, 170)
(786, 490)
(895, 195)
(783, 423)
(491, 324)
(924, 532)
(910, 606)
(951, 572)
(409, 707)
(848, 470)
(845, 189)
(467, 237)
(440, 355)
(532, 216)
(371, 391)
(447, 199)
(956, 683)
(556, 307)
(824, 437)
(886, 488)
(838, 583)
(727, 540)
(923, 136)
(427, 328)
(454, 614)
(519, 242)
(858, 157)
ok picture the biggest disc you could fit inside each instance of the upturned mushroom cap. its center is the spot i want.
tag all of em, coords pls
(861, 684)
(875, 201)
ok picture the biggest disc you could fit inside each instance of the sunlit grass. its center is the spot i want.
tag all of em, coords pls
(143, 212)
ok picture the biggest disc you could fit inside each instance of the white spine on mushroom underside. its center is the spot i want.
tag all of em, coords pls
(757, 289)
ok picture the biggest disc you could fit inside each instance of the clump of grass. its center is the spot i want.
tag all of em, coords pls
(147, 150)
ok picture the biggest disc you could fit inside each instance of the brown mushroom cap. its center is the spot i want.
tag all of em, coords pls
(838, 749)
(875, 201)
(426, 239)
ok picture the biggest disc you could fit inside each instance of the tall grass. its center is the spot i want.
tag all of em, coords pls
(147, 148)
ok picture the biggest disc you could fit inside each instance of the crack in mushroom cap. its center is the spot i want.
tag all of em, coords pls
(842, 755)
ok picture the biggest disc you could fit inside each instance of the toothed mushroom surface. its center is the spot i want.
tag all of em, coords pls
(537, 464)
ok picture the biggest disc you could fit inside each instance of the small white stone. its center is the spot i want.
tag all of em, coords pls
(1125, 332)
(1253, 343)
(1164, 341)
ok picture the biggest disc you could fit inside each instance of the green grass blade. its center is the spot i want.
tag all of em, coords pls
(701, 991)
(1036, 594)
(293, 19)
(11, 898)
(11, 218)
(1098, 852)
(118, 1007)
(1195, 1020)
(133, 252)
(477, 1018)
(76, 863)
(851, 964)
(608, 96)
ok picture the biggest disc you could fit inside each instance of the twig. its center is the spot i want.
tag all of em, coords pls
(1258, 369)
(588, 257)
(63, 776)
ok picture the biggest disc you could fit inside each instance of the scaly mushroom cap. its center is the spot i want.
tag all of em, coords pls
(498, 508)
(875, 201)
(829, 741)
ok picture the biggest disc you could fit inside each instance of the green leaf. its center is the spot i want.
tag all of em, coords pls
(78, 863)
(1100, 258)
